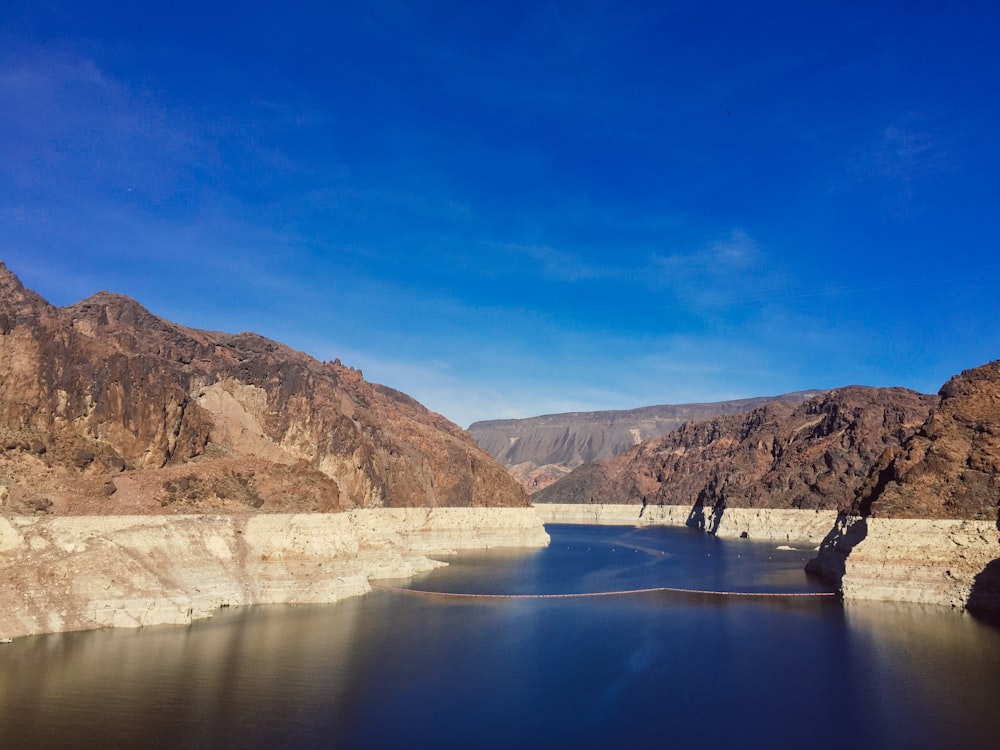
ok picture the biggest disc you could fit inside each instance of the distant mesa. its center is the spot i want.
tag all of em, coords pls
(538, 451)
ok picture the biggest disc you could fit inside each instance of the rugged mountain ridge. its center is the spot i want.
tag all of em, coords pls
(907, 485)
(106, 408)
(819, 454)
(886, 452)
(951, 466)
(540, 450)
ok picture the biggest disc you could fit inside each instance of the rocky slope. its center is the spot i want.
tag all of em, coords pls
(107, 409)
(950, 468)
(541, 450)
(913, 482)
(819, 454)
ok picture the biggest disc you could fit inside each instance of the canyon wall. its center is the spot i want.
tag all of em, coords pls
(540, 450)
(931, 561)
(85, 572)
(817, 455)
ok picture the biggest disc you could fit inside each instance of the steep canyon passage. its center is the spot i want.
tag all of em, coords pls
(659, 668)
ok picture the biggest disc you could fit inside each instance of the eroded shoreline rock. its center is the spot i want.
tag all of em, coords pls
(930, 561)
(87, 572)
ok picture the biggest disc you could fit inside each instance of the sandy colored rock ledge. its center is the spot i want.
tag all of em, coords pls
(84, 572)
(941, 561)
(802, 526)
(924, 561)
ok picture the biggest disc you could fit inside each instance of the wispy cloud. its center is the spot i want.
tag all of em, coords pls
(65, 126)
(545, 261)
(903, 157)
(720, 273)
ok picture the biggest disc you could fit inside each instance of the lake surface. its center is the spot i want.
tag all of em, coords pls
(403, 670)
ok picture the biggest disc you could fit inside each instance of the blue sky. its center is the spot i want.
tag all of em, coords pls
(509, 209)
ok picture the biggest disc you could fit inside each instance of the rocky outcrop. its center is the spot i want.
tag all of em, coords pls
(948, 471)
(78, 573)
(818, 455)
(930, 561)
(912, 481)
(950, 468)
(106, 408)
(541, 450)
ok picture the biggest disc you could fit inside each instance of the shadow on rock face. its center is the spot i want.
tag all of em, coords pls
(984, 600)
(831, 562)
(702, 521)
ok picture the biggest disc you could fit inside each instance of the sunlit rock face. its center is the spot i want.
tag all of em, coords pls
(84, 572)
(912, 481)
(106, 408)
(538, 451)
(950, 468)
(822, 454)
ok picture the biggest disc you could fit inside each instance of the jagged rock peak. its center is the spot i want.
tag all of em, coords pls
(818, 455)
(951, 466)
(105, 386)
(15, 299)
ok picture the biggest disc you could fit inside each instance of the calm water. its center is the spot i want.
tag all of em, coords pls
(403, 670)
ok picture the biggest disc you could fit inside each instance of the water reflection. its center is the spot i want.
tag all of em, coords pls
(395, 669)
(199, 686)
(940, 664)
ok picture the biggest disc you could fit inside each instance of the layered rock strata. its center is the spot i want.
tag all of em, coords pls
(929, 561)
(801, 527)
(85, 572)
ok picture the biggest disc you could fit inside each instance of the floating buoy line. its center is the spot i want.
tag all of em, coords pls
(631, 592)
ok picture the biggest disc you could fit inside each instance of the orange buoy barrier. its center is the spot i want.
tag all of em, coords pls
(605, 593)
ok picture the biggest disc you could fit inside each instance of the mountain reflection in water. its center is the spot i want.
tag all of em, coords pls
(395, 670)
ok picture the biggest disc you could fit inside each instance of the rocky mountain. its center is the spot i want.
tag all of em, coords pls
(880, 452)
(541, 450)
(909, 485)
(820, 454)
(951, 466)
(106, 408)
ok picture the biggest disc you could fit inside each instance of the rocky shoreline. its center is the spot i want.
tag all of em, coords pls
(801, 526)
(930, 561)
(86, 572)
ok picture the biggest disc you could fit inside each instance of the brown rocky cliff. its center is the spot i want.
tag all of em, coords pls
(950, 468)
(540, 450)
(102, 386)
(820, 454)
